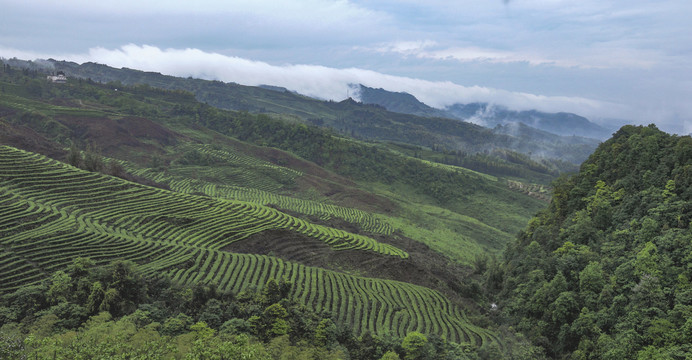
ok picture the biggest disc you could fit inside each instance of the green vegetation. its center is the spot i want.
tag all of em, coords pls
(375, 238)
(164, 130)
(363, 121)
(604, 272)
(85, 188)
(42, 187)
(216, 182)
(447, 187)
(221, 166)
(54, 209)
(116, 312)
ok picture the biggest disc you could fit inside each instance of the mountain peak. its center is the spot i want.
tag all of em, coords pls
(486, 114)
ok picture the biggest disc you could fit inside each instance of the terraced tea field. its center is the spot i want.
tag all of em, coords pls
(234, 168)
(51, 213)
(365, 304)
(254, 194)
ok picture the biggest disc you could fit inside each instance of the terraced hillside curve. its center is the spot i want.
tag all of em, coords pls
(52, 213)
(138, 211)
(323, 211)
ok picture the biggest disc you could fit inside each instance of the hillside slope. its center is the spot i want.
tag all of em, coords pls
(348, 117)
(604, 272)
(54, 213)
(373, 234)
(465, 213)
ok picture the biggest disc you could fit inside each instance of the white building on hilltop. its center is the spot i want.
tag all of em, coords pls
(60, 78)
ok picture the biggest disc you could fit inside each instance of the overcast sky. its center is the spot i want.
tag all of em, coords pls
(603, 59)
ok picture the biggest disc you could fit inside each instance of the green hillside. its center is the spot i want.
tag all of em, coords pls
(604, 272)
(348, 117)
(55, 213)
(384, 239)
(164, 131)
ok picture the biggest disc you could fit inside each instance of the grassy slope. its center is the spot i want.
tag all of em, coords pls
(160, 131)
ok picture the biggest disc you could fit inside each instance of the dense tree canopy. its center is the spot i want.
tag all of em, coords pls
(605, 272)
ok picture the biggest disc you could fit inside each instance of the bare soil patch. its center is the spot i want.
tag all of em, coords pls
(110, 135)
(23, 137)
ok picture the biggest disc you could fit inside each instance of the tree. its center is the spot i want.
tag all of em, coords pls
(490, 351)
(271, 292)
(202, 331)
(34, 88)
(648, 293)
(95, 298)
(325, 333)
(571, 259)
(74, 156)
(591, 278)
(390, 355)
(584, 325)
(648, 260)
(591, 283)
(114, 168)
(415, 346)
(563, 309)
(212, 313)
(176, 325)
(547, 294)
(271, 323)
(92, 159)
(59, 287)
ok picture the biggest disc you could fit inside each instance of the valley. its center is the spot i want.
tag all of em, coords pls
(385, 224)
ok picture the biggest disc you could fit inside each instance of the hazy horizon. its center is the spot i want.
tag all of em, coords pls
(598, 59)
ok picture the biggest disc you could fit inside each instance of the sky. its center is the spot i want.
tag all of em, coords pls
(612, 61)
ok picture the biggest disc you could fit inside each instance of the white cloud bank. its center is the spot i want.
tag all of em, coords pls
(330, 83)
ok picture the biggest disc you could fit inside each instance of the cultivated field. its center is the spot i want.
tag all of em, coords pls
(52, 213)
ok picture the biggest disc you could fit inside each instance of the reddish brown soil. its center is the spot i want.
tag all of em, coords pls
(23, 137)
(112, 135)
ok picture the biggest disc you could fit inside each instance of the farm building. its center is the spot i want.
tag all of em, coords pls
(59, 78)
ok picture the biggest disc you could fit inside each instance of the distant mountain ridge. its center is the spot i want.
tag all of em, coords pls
(226, 96)
(428, 128)
(400, 102)
(561, 123)
(487, 115)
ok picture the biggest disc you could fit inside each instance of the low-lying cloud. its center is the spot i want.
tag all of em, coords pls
(329, 83)
(333, 83)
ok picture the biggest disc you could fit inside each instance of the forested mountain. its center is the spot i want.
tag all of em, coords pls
(604, 272)
(565, 124)
(400, 102)
(347, 117)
